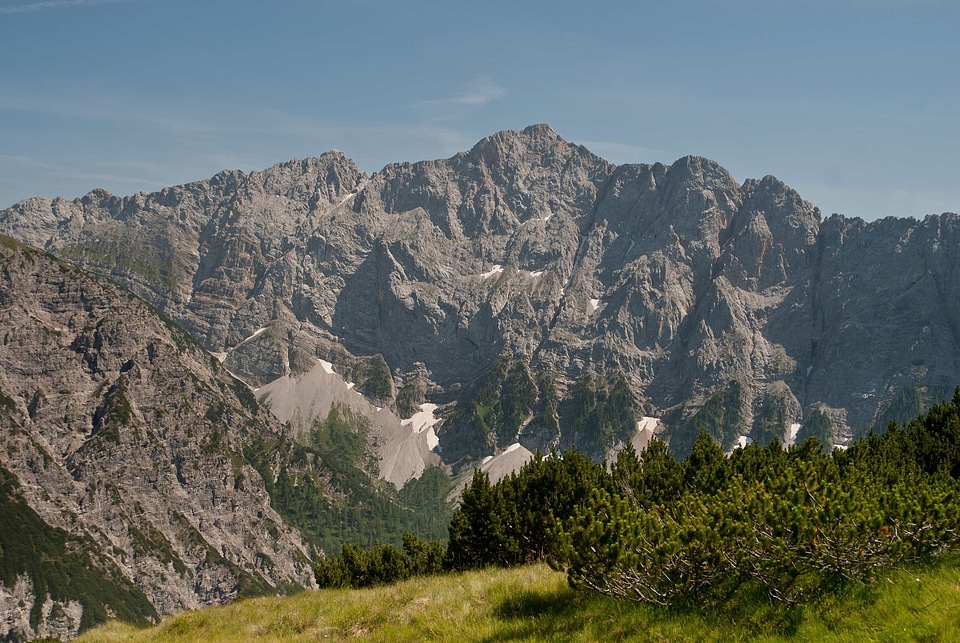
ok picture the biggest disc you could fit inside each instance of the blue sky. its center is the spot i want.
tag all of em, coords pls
(854, 103)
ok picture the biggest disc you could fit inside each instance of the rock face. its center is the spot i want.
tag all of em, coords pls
(403, 448)
(690, 284)
(121, 461)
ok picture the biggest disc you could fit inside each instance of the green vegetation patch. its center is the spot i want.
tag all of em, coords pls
(409, 398)
(9, 242)
(770, 422)
(504, 400)
(7, 402)
(513, 522)
(721, 417)
(115, 412)
(131, 257)
(378, 384)
(909, 403)
(244, 394)
(600, 413)
(148, 541)
(327, 488)
(380, 564)
(819, 426)
(63, 566)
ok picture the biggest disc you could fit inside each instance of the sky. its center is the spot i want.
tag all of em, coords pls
(854, 103)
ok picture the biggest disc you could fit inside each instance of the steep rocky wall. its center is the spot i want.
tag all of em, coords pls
(123, 432)
(678, 276)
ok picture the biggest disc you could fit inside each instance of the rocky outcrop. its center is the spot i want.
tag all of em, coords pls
(684, 280)
(404, 448)
(121, 457)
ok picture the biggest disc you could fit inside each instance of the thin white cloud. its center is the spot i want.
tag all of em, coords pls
(100, 107)
(96, 170)
(481, 92)
(282, 123)
(50, 5)
(13, 160)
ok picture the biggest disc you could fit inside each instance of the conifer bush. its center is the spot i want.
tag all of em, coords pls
(380, 564)
(794, 523)
(791, 525)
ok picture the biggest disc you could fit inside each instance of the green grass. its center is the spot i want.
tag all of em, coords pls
(535, 604)
(156, 269)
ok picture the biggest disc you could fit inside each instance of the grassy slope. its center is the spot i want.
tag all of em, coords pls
(534, 603)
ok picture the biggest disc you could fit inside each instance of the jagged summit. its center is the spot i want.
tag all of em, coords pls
(536, 136)
(527, 245)
(524, 294)
(541, 130)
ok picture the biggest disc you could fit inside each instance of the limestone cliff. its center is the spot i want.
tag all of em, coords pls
(692, 285)
(124, 484)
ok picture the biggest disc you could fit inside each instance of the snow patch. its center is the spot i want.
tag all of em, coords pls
(486, 460)
(536, 274)
(548, 217)
(792, 434)
(512, 447)
(423, 419)
(497, 269)
(742, 442)
(220, 356)
(595, 303)
(432, 440)
(809, 370)
(351, 384)
(256, 334)
(327, 366)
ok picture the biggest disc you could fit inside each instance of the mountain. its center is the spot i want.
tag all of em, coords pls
(123, 480)
(541, 295)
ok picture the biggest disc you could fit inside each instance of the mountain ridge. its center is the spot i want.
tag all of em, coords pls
(678, 276)
(123, 441)
(524, 294)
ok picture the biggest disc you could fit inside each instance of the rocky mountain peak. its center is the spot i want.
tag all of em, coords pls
(331, 175)
(532, 247)
(99, 198)
(535, 137)
(541, 130)
(510, 154)
(701, 170)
